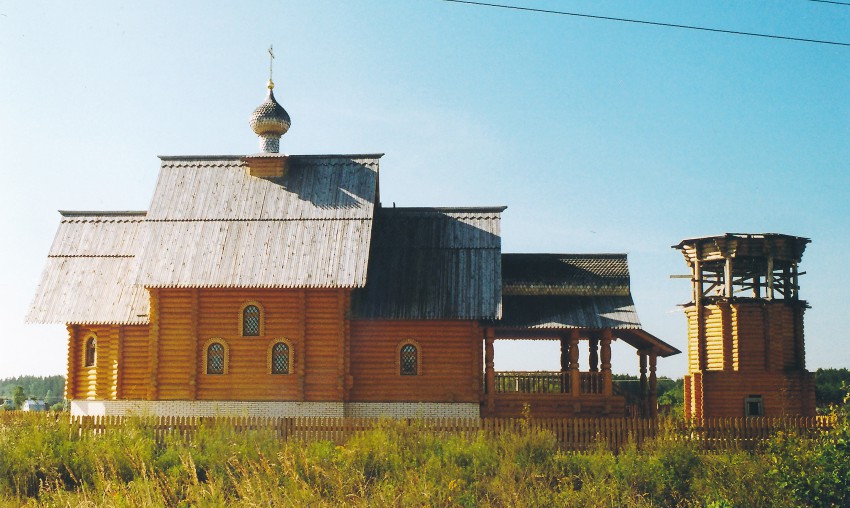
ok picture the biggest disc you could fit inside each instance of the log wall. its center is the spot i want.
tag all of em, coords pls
(751, 348)
(134, 366)
(97, 381)
(449, 361)
(176, 345)
(311, 322)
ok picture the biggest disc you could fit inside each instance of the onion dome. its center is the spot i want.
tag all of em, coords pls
(270, 121)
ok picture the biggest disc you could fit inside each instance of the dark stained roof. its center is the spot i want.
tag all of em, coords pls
(552, 312)
(433, 263)
(565, 274)
(545, 293)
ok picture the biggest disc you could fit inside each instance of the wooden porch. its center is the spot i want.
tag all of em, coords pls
(570, 392)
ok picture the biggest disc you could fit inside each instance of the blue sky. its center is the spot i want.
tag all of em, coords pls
(599, 136)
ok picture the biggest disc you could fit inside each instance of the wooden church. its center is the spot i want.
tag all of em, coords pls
(273, 284)
(746, 355)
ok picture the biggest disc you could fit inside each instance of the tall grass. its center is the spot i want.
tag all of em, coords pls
(42, 463)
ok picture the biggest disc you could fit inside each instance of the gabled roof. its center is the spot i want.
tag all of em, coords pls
(90, 272)
(212, 224)
(433, 263)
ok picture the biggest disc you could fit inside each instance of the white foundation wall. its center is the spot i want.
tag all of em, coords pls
(412, 409)
(203, 408)
(274, 409)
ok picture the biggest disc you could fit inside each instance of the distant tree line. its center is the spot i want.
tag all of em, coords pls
(832, 386)
(50, 389)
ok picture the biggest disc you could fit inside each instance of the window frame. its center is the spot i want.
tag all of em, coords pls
(226, 354)
(90, 340)
(261, 325)
(753, 399)
(270, 357)
(398, 363)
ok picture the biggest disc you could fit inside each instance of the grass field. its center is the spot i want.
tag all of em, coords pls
(43, 463)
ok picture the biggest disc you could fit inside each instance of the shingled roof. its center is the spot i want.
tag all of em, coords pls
(544, 293)
(212, 224)
(433, 263)
(90, 271)
(565, 274)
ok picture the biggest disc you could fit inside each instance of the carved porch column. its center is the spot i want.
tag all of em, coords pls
(643, 387)
(575, 376)
(653, 384)
(489, 372)
(565, 354)
(593, 358)
(607, 379)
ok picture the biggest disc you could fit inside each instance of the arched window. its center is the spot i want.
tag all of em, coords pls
(252, 320)
(279, 359)
(409, 360)
(91, 352)
(215, 357)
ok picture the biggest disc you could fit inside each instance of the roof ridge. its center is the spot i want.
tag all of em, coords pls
(103, 213)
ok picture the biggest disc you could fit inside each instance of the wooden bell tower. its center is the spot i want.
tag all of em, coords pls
(746, 354)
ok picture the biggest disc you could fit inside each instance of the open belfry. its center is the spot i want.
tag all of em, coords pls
(746, 354)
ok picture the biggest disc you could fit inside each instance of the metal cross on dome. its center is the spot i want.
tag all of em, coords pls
(271, 60)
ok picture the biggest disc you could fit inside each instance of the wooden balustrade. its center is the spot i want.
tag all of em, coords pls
(592, 382)
(532, 382)
(547, 382)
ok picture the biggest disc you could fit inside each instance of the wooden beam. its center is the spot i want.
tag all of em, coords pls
(195, 317)
(73, 363)
(593, 357)
(770, 277)
(607, 378)
(153, 345)
(653, 384)
(575, 376)
(118, 375)
(489, 371)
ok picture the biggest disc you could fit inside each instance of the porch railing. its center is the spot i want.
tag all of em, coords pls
(547, 382)
(591, 382)
(532, 382)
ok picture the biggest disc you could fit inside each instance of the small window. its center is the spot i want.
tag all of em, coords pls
(280, 358)
(91, 352)
(251, 320)
(409, 360)
(753, 406)
(216, 358)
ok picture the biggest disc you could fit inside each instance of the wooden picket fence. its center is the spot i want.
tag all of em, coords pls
(576, 434)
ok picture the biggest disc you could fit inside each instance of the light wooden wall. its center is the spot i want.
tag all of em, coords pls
(135, 360)
(331, 357)
(450, 357)
(98, 381)
(751, 348)
(247, 377)
(325, 345)
(313, 322)
(783, 394)
(176, 347)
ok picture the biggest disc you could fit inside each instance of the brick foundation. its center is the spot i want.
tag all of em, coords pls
(273, 409)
